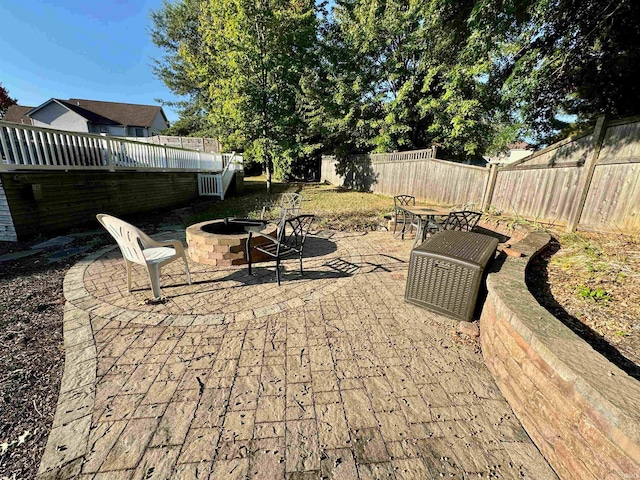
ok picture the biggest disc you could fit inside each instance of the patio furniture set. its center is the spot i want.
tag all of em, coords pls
(430, 220)
(445, 271)
(139, 248)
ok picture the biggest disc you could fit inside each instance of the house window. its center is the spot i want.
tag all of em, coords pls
(139, 132)
(104, 129)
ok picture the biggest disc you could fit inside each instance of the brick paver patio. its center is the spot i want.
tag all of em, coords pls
(331, 375)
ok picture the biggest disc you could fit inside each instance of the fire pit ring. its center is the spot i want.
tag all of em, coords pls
(223, 242)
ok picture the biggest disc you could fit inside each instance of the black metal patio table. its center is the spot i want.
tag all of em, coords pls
(420, 216)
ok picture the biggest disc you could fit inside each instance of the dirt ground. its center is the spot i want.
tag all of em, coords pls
(31, 360)
(591, 282)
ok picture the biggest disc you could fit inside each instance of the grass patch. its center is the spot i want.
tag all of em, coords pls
(341, 209)
(592, 256)
(247, 205)
(335, 208)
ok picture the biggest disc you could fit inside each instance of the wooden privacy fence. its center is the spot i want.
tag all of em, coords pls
(191, 143)
(427, 178)
(24, 147)
(590, 181)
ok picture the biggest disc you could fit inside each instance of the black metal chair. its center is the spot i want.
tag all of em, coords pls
(401, 201)
(461, 221)
(284, 245)
(291, 202)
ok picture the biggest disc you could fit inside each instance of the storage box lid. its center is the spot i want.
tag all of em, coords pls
(467, 247)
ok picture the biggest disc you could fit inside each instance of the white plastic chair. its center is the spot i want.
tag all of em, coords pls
(138, 247)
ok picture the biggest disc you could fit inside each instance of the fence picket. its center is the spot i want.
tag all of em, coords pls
(584, 182)
(21, 143)
(32, 155)
(25, 146)
(13, 149)
(46, 147)
(4, 157)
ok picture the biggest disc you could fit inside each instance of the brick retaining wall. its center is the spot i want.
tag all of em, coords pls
(582, 412)
(72, 199)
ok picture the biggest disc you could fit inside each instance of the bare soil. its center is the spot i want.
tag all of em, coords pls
(591, 282)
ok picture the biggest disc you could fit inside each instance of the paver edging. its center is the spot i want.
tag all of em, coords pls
(580, 409)
(68, 440)
(69, 437)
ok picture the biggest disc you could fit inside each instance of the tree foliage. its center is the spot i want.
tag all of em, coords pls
(287, 80)
(176, 31)
(244, 69)
(5, 101)
(552, 57)
(393, 74)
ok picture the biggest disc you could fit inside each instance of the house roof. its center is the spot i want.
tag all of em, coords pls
(519, 145)
(17, 114)
(92, 116)
(109, 113)
(123, 113)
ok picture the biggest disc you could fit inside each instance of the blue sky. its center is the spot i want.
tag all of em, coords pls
(98, 50)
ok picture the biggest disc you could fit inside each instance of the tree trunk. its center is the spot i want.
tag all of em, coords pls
(268, 169)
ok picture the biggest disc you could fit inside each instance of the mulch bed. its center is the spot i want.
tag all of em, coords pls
(31, 360)
(591, 282)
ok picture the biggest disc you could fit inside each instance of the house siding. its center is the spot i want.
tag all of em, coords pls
(7, 229)
(131, 132)
(56, 116)
(158, 125)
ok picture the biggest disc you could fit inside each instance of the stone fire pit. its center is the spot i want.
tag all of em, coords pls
(222, 242)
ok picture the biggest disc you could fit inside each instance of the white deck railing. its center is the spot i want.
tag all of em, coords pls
(217, 185)
(24, 147)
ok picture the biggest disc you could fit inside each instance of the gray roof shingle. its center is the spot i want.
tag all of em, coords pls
(118, 113)
(17, 114)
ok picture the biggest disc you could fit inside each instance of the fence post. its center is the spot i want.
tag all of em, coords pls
(590, 165)
(489, 187)
(220, 186)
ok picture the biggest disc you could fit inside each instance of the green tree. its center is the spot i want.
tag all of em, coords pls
(176, 30)
(5, 101)
(553, 57)
(248, 66)
(395, 77)
(341, 103)
(385, 38)
(192, 120)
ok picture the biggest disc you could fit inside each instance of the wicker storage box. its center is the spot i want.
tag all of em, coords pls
(445, 272)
